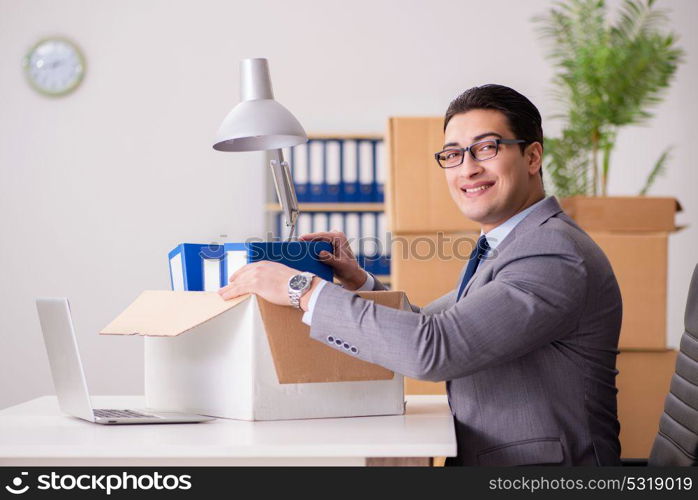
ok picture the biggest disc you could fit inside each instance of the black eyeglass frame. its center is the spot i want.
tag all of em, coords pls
(470, 151)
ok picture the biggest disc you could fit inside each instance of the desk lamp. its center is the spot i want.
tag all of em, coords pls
(259, 123)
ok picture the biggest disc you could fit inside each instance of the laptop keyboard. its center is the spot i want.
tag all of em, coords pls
(120, 413)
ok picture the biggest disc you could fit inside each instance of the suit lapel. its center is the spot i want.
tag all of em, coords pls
(549, 208)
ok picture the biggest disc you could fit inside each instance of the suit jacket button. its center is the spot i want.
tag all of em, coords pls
(346, 346)
(330, 339)
(354, 350)
(338, 341)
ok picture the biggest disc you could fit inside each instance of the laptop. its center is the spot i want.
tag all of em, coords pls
(69, 377)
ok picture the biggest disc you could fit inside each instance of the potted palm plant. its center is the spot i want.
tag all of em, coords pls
(608, 75)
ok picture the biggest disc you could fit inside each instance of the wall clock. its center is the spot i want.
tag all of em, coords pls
(54, 66)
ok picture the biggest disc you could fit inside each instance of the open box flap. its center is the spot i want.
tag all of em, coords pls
(164, 313)
(297, 357)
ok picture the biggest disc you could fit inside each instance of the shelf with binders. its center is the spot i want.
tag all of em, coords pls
(331, 207)
(338, 169)
(339, 182)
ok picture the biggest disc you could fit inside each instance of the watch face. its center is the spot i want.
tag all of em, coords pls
(298, 282)
(54, 66)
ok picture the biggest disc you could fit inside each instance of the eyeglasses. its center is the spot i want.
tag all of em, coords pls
(479, 151)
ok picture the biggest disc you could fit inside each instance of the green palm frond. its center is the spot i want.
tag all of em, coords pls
(565, 162)
(606, 76)
(638, 19)
(658, 169)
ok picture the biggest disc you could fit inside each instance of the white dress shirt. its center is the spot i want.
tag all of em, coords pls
(494, 238)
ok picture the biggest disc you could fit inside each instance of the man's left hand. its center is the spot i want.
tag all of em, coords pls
(267, 279)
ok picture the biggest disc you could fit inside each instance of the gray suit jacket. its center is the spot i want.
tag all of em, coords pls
(528, 352)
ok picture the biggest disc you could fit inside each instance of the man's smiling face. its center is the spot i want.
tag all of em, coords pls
(507, 183)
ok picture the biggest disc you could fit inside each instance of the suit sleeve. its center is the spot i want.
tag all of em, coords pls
(531, 301)
(377, 285)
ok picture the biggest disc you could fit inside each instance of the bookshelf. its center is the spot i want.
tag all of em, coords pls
(332, 207)
(326, 200)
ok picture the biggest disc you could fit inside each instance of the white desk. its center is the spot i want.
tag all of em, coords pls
(37, 433)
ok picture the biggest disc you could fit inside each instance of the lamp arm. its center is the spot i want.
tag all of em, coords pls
(285, 189)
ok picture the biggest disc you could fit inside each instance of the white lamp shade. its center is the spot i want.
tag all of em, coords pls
(259, 125)
(259, 122)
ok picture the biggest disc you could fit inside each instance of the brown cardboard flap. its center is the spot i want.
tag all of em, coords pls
(300, 359)
(164, 313)
(623, 213)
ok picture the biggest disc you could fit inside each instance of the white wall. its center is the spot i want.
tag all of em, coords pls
(95, 188)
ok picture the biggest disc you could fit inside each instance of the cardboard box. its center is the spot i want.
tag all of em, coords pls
(633, 232)
(252, 360)
(639, 261)
(413, 386)
(418, 199)
(427, 266)
(643, 384)
(623, 213)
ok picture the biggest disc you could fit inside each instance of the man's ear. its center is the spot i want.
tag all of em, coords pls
(534, 157)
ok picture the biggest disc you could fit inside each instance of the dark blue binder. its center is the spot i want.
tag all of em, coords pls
(189, 260)
(349, 190)
(187, 264)
(376, 187)
(332, 170)
(300, 255)
(317, 187)
(302, 188)
(366, 186)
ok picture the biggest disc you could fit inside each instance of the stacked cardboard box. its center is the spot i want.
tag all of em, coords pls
(431, 239)
(643, 383)
(633, 232)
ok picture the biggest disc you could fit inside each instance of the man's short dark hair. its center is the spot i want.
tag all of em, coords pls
(522, 116)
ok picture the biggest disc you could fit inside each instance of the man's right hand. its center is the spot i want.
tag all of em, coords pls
(342, 259)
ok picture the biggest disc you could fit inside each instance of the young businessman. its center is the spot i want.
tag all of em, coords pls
(527, 340)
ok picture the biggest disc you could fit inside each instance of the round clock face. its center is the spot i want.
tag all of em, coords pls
(54, 66)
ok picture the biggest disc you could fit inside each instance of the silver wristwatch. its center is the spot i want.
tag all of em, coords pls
(298, 284)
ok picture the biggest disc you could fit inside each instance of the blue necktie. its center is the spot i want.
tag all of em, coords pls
(480, 249)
